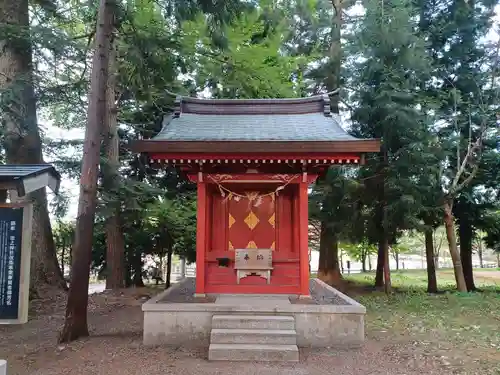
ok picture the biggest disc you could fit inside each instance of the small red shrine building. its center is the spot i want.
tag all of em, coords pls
(253, 161)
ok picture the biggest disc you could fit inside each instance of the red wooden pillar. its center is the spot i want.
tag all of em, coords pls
(304, 239)
(201, 238)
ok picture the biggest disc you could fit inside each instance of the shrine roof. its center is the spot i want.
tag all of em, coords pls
(20, 171)
(26, 178)
(244, 121)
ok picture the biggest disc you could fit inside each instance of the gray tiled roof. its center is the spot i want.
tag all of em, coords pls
(253, 127)
(18, 171)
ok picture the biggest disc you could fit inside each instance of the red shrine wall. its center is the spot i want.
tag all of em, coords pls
(251, 220)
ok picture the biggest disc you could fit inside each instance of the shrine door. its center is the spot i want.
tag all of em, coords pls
(256, 220)
(252, 222)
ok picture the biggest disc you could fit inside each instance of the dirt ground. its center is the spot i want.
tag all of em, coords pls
(115, 347)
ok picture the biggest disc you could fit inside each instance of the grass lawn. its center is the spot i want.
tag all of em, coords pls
(487, 269)
(416, 280)
(462, 329)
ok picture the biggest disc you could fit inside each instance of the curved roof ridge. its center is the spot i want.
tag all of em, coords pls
(286, 106)
(212, 101)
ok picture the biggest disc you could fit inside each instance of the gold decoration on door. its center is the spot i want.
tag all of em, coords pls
(272, 220)
(231, 220)
(251, 220)
(252, 245)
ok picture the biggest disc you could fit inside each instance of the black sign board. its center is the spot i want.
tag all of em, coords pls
(11, 227)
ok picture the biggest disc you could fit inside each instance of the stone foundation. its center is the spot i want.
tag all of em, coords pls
(334, 320)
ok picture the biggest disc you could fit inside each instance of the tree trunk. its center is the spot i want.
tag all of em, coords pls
(63, 252)
(128, 273)
(437, 248)
(387, 271)
(396, 258)
(169, 268)
(162, 267)
(70, 263)
(333, 79)
(449, 222)
(466, 233)
(183, 268)
(480, 253)
(22, 140)
(429, 256)
(76, 309)
(379, 273)
(363, 261)
(115, 262)
(379, 224)
(328, 267)
(384, 226)
(137, 280)
(115, 246)
(341, 262)
(369, 263)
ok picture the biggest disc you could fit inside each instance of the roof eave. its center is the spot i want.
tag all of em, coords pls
(28, 182)
(256, 147)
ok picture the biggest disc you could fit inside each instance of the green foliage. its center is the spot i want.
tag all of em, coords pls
(64, 233)
(149, 59)
(492, 229)
(391, 66)
(253, 65)
(358, 251)
(172, 226)
(463, 98)
(335, 202)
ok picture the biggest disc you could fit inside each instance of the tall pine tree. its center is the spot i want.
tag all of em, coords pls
(391, 65)
(463, 89)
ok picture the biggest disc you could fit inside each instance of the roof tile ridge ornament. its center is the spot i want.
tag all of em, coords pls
(326, 106)
(177, 106)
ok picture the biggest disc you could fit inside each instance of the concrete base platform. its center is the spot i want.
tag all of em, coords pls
(252, 352)
(336, 322)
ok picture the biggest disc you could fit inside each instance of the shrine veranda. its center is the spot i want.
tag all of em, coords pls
(253, 162)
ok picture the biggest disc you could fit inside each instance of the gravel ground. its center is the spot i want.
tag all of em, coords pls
(184, 293)
(115, 348)
(323, 296)
(319, 296)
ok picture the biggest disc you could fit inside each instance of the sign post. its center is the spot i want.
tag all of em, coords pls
(19, 180)
(15, 257)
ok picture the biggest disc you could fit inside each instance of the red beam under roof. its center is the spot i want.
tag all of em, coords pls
(284, 157)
